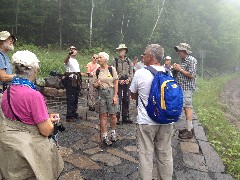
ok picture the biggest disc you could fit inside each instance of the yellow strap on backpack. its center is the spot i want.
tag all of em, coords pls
(163, 104)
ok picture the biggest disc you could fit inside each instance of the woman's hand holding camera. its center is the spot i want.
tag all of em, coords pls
(54, 118)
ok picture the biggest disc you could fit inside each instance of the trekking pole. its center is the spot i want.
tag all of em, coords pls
(100, 127)
(121, 115)
(87, 94)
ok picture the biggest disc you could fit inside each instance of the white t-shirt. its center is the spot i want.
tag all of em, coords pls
(72, 65)
(141, 84)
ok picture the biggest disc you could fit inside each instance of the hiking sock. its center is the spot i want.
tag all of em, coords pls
(113, 131)
(189, 125)
(105, 135)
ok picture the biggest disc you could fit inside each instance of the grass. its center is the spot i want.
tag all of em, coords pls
(52, 59)
(224, 137)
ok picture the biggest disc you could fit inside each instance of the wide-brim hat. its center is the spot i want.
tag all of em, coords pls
(5, 34)
(183, 47)
(122, 46)
(72, 47)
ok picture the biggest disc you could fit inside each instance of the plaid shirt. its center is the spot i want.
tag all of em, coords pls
(189, 64)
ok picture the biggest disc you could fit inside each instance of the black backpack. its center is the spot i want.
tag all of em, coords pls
(109, 69)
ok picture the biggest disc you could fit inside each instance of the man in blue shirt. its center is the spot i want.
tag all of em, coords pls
(7, 41)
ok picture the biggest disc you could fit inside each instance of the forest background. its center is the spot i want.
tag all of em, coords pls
(211, 27)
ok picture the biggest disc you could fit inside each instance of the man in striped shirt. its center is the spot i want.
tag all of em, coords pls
(185, 73)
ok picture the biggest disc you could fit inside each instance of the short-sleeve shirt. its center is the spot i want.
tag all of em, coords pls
(72, 65)
(124, 67)
(106, 78)
(5, 63)
(28, 104)
(141, 84)
(189, 64)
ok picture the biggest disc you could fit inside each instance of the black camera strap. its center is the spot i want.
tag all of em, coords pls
(8, 98)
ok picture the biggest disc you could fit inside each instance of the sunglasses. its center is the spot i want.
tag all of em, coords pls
(95, 57)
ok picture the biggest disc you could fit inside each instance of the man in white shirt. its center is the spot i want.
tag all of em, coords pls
(72, 82)
(151, 135)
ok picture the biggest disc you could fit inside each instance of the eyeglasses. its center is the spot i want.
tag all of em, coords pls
(73, 49)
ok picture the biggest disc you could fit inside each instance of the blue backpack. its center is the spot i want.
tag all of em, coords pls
(165, 101)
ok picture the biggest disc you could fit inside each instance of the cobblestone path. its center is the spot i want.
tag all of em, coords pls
(85, 159)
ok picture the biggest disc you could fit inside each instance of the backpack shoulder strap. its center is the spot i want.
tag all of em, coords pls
(116, 63)
(128, 61)
(110, 70)
(9, 104)
(97, 72)
(152, 70)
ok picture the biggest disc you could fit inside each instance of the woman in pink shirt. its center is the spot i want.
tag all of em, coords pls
(25, 150)
(91, 69)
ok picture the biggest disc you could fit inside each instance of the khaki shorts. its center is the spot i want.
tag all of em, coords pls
(187, 98)
(106, 101)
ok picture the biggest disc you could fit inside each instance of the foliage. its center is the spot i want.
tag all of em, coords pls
(208, 25)
(224, 137)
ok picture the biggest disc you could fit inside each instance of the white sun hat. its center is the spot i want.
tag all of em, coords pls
(26, 58)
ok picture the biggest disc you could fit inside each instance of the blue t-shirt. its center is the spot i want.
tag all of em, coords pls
(5, 64)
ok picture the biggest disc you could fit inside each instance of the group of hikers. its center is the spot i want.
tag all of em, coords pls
(25, 125)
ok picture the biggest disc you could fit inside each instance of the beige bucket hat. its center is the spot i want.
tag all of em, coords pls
(122, 46)
(183, 47)
(5, 34)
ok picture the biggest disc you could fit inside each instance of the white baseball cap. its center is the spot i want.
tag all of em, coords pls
(168, 57)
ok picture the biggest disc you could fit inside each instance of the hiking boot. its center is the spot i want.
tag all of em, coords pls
(118, 122)
(91, 108)
(107, 142)
(114, 137)
(127, 121)
(184, 130)
(186, 135)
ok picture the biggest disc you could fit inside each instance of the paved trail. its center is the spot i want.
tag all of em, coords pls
(84, 159)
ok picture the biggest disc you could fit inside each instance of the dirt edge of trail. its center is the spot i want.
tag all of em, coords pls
(230, 99)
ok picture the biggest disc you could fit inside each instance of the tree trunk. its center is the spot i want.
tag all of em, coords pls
(122, 28)
(159, 14)
(16, 17)
(60, 22)
(90, 37)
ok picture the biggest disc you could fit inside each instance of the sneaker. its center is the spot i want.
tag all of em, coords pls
(184, 130)
(114, 137)
(127, 121)
(186, 135)
(107, 141)
(70, 119)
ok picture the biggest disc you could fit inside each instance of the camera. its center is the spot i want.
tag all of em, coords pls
(57, 126)
(125, 77)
